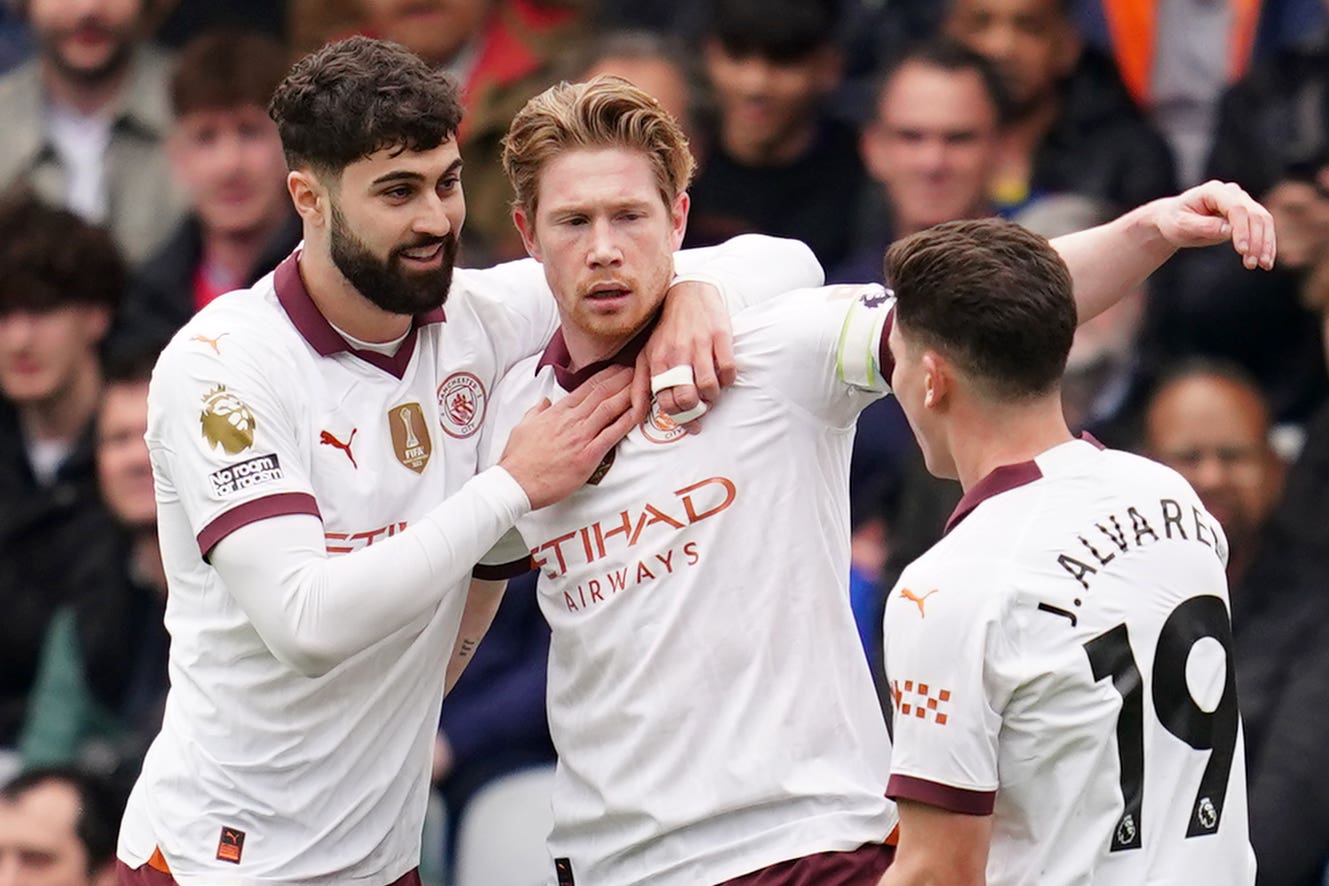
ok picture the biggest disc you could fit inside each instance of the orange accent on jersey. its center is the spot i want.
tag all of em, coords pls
(1133, 24)
(210, 342)
(893, 838)
(917, 600)
(326, 438)
(157, 861)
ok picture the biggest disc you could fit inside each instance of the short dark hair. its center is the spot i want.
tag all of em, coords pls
(1204, 366)
(778, 30)
(954, 57)
(226, 69)
(993, 297)
(99, 807)
(360, 95)
(50, 258)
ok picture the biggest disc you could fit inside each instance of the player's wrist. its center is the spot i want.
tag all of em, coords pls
(503, 488)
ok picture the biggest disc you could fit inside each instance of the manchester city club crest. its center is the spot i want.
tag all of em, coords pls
(461, 404)
(660, 428)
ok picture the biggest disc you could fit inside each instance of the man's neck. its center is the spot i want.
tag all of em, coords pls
(146, 560)
(775, 152)
(986, 439)
(64, 417)
(585, 350)
(83, 97)
(236, 253)
(341, 304)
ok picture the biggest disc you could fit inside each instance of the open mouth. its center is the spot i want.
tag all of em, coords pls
(423, 254)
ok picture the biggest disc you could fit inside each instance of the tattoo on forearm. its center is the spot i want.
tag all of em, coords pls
(467, 647)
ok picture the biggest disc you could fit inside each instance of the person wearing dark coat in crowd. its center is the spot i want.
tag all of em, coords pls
(60, 280)
(1075, 127)
(101, 685)
(773, 162)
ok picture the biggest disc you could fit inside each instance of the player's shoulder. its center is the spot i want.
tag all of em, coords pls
(1127, 467)
(242, 329)
(797, 305)
(522, 386)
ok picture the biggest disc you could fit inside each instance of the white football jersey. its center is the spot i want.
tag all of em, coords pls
(1062, 659)
(708, 696)
(257, 408)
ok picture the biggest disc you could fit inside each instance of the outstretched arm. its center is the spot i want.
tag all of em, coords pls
(1111, 260)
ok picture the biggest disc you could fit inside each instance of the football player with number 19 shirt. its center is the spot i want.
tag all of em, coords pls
(1060, 663)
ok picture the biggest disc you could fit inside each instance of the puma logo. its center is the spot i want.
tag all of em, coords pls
(914, 598)
(211, 342)
(326, 438)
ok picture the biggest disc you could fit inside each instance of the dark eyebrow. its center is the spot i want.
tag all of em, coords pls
(398, 175)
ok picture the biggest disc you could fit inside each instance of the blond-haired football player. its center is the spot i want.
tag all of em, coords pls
(708, 699)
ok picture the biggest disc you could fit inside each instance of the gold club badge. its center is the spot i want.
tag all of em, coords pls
(227, 422)
(410, 436)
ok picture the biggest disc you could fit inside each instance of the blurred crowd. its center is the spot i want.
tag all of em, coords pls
(140, 177)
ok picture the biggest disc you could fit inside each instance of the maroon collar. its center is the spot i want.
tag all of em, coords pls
(1001, 479)
(556, 355)
(315, 328)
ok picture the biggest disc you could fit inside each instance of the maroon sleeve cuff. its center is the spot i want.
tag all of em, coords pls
(251, 512)
(502, 571)
(943, 796)
(884, 358)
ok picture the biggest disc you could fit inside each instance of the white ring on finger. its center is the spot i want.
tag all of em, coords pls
(670, 378)
(688, 415)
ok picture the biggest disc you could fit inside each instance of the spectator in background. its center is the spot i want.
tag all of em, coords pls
(1074, 127)
(97, 701)
(1107, 376)
(501, 52)
(1211, 422)
(60, 280)
(774, 163)
(1177, 57)
(227, 156)
(57, 828)
(653, 63)
(85, 120)
(932, 146)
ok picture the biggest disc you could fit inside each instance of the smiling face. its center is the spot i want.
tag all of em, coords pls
(934, 145)
(1032, 42)
(763, 102)
(606, 236)
(393, 226)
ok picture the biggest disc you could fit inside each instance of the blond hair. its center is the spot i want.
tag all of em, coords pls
(605, 112)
